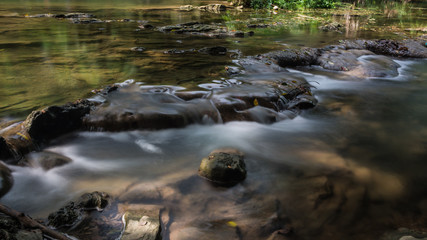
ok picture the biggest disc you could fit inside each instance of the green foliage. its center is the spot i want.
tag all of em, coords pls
(293, 4)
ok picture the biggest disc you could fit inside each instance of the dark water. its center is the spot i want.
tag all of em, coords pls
(367, 138)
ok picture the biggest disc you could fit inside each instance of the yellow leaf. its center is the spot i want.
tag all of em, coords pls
(23, 135)
(256, 102)
(232, 224)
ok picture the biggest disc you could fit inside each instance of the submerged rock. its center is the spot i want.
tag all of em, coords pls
(196, 28)
(140, 222)
(65, 15)
(214, 50)
(334, 26)
(74, 212)
(225, 167)
(47, 160)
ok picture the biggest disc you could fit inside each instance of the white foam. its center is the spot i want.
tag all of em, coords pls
(148, 147)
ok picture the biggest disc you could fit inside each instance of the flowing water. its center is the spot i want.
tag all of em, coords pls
(366, 140)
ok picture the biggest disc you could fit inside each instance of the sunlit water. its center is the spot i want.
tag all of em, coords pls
(367, 137)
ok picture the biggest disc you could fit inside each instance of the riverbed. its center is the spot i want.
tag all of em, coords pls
(353, 167)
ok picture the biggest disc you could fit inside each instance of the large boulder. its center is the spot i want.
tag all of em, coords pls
(40, 127)
(54, 121)
(225, 167)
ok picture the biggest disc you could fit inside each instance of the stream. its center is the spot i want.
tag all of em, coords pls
(366, 139)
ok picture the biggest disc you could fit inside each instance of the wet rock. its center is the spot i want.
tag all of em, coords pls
(85, 20)
(74, 212)
(405, 234)
(225, 167)
(295, 57)
(376, 66)
(341, 60)
(196, 28)
(141, 222)
(180, 51)
(258, 64)
(410, 48)
(148, 108)
(216, 8)
(190, 95)
(75, 15)
(47, 160)
(54, 121)
(65, 15)
(337, 27)
(258, 25)
(405, 48)
(6, 179)
(301, 102)
(10, 229)
(186, 7)
(358, 63)
(214, 50)
(137, 49)
(146, 26)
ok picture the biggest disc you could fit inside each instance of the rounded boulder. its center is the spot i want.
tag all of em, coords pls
(225, 167)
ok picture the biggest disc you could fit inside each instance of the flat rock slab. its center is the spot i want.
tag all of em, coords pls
(141, 222)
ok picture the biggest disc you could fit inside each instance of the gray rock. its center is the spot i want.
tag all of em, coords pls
(225, 167)
(341, 60)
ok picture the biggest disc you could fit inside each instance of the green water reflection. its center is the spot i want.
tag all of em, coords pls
(45, 61)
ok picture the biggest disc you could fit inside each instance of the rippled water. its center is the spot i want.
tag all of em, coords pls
(367, 138)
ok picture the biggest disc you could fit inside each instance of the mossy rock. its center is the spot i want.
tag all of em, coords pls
(225, 167)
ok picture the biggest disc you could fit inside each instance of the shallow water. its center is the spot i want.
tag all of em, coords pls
(367, 138)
